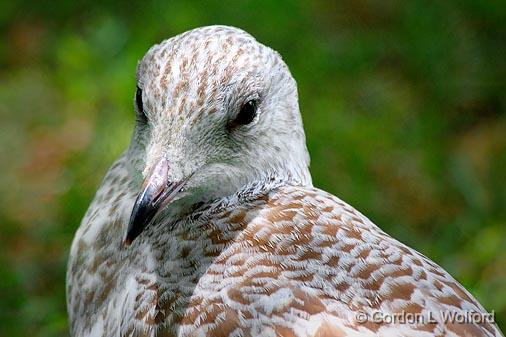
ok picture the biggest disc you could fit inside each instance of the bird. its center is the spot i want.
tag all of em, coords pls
(209, 224)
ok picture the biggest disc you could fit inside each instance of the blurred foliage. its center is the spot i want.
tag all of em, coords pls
(403, 104)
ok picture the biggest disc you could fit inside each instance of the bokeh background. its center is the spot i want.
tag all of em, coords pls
(403, 104)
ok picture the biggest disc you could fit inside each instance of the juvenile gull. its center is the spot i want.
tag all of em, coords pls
(209, 225)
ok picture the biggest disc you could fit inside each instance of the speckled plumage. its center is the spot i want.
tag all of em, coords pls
(249, 247)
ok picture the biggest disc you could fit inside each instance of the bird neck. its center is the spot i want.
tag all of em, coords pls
(247, 193)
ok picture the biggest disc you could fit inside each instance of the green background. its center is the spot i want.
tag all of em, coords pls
(403, 104)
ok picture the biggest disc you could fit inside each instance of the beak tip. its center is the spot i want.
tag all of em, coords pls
(156, 193)
(127, 242)
(135, 227)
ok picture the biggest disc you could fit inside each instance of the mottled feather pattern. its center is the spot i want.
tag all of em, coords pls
(286, 261)
(267, 254)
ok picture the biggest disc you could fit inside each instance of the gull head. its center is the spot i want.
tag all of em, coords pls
(216, 111)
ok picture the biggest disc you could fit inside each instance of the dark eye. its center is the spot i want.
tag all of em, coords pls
(140, 106)
(247, 114)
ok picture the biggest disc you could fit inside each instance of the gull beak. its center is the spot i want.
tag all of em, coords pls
(156, 193)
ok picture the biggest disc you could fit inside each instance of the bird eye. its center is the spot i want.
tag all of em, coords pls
(140, 106)
(247, 114)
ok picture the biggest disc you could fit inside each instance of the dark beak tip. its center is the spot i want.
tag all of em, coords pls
(142, 213)
(127, 242)
(153, 197)
(136, 225)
